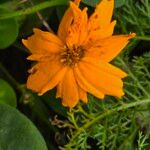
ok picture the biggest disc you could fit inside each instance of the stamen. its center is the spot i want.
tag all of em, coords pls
(71, 56)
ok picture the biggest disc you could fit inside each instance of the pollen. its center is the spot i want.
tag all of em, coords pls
(71, 56)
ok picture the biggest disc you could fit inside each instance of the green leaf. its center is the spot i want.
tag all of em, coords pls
(8, 28)
(91, 3)
(17, 132)
(7, 94)
(119, 3)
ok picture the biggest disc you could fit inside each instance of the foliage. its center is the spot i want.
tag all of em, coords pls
(142, 141)
(17, 132)
(6, 28)
(7, 94)
(134, 16)
(109, 124)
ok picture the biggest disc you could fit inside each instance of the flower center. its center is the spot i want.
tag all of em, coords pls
(71, 56)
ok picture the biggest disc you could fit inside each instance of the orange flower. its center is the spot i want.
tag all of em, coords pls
(76, 61)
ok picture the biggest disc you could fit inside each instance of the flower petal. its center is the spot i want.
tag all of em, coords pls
(77, 32)
(82, 95)
(102, 16)
(101, 80)
(66, 22)
(99, 24)
(69, 89)
(59, 90)
(108, 48)
(43, 42)
(42, 57)
(81, 92)
(54, 81)
(101, 33)
(85, 85)
(42, 73)
(106, 67)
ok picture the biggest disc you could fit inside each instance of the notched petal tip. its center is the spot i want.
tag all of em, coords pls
(65, 105)
(40, 94)
(29, 57)
(114, 22)
(70, 105)
(24, 42)
(104, 9)
(74, 7)
(132, 35)
(72, 4)
(84, 101)
(36, 30)
(121, 94)
(77, 2)
(124, 74)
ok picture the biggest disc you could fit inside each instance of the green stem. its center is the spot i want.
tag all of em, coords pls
(34, 9)
(83, 112)
(131, 94)
(144, 38)
(134, 77)
(72, 118)
(109, 112)
(128, 140)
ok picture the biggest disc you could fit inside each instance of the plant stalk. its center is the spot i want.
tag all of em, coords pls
(34, 9)
(109, 112)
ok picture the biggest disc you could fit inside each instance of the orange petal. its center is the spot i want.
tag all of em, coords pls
(36, 57)
(80, 25)
(106, 67)
(42, 57)
(82, 95)
(101, 33)
(69, 89)
(101, 80)
(66, 22)
(85, 85)
(53, 81)
(59, 90)
(43, 42)
(77, 32)
(41, 74)
(102, 15)
(109, 48)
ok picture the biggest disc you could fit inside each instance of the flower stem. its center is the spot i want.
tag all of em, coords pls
(109, 112)
(44, 22)
(34, 9)
(144, 38)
